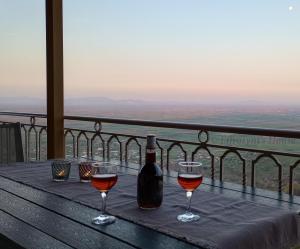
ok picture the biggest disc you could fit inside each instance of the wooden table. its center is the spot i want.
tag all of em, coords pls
(31, 218)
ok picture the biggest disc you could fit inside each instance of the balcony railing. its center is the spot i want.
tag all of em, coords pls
(250, 157)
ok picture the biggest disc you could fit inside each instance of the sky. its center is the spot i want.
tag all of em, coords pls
(158, 50)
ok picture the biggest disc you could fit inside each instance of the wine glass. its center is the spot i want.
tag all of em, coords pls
(104, 177)
(189, 178)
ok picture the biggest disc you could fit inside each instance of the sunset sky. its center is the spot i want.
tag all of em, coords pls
(172, 50)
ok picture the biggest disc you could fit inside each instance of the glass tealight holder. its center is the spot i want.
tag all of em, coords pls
(60, 170)
(85, 171)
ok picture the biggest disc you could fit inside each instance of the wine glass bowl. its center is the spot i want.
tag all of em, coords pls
(190, 177)
(104, 182)
(103, 177)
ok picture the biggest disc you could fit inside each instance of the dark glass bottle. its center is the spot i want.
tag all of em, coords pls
(150, 179)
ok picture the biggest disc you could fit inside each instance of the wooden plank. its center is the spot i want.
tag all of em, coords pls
(13, 235)
(55, 79)
(8, 244)
(136, 235)
(57, 226)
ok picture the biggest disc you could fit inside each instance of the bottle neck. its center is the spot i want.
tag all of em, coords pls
(150, 156)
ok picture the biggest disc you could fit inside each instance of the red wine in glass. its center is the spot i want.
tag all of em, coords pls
(104, 182)
(190, 182)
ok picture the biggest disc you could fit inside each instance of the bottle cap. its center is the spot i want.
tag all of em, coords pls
(151, 141)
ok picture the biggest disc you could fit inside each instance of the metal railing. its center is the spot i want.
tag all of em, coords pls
(278, 163)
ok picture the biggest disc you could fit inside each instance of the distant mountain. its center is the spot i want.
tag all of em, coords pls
(243, 113)
(100, 101)
(17, 101)
(166, 110)
(110, 102)
(23, 104)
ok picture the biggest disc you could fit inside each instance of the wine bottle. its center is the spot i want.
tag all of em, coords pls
(150, 179)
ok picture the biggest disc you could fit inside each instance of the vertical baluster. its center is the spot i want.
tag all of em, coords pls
(8, 141)
(221, 170)
(25, 142)
(36, 145)
(74, 146)
(291, 181)
(212, 166)
(87, 148)
(108, 150)
(39, 145)
(120, 149)
(140, 155)
(244, 174)
(161, 154)
(77, 144)
(126, 150)
(253, 175)
(279, 178)
(40, 135)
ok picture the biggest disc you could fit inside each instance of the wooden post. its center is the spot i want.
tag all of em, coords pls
(55, 86)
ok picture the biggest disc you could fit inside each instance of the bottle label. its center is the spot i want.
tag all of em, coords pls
(150, 151)
(150, 156)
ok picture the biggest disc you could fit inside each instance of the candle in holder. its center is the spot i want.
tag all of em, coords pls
(60, 170)
(85, 171)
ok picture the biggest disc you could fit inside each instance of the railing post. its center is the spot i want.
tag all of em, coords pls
(55, 86)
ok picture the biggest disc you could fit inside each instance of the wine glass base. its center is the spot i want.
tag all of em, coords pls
(188, 217)
(104, 219)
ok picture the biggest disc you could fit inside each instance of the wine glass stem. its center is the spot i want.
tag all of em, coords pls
(189, 197)
(103, 195)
